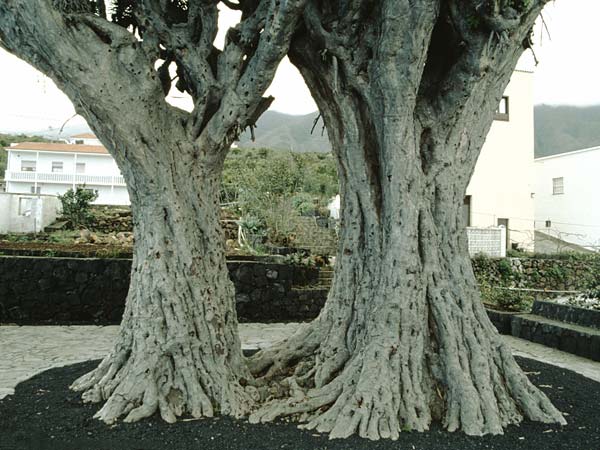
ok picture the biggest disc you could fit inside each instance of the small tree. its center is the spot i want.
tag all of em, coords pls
(76, 206)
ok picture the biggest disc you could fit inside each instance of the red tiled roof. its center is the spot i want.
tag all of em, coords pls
(85, 136)
(49, 147)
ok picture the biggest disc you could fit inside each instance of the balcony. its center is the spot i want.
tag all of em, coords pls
(65, 178)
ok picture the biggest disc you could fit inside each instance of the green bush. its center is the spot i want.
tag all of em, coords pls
(76, 206)
(505, 268)
(506, 299)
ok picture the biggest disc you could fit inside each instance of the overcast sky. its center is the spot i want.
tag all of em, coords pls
(568, 73)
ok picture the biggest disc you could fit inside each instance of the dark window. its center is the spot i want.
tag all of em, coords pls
(558, 186)
(467, 210)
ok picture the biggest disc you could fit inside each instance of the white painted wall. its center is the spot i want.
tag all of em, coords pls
(27, 213)
(86, 141)
(502, 183)
(96, 165)
(574, 215)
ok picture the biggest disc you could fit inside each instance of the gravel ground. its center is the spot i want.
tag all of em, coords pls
(44, 414)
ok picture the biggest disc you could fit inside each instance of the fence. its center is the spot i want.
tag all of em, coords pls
(489, 241)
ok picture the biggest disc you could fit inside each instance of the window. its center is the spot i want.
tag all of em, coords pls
(35, 190)
(25, 206)
(28, 166)
(57, 166)
(80, 168)
(558, 186)
(548, 224)
(79, 141)
(466, 210)
(502, 111)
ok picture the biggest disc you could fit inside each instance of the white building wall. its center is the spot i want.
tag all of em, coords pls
(502, 183)
(84, 141)
(96, 165)
(27, 213)
(574, 215)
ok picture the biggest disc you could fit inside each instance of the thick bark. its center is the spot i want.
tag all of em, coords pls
(178, 350)
(403, 338)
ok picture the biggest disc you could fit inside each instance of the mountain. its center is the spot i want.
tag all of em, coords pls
(561, 129)
(558, 129)
(68, 130)
(287, 132)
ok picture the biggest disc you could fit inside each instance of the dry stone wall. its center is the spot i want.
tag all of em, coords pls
(36, 290)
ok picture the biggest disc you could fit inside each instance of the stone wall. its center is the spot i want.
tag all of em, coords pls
(539, 273)
(37, 290)
(90, 290)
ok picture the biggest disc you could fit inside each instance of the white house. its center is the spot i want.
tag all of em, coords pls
(51, 169)
(84, 138)
(501, 189)
(566, 197)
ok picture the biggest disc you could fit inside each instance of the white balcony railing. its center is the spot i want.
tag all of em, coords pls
(65, 178)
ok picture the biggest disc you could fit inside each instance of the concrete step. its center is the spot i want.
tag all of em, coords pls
(567, 313)
(570, 338)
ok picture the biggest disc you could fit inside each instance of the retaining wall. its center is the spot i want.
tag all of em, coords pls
(37, 290)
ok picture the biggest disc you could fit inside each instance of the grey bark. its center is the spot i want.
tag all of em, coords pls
(178, 351)
(407, 91)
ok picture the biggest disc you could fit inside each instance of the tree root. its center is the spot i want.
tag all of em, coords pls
(375, 398)
(137, 389)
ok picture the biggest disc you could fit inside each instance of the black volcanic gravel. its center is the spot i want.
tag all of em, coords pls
(44, 414)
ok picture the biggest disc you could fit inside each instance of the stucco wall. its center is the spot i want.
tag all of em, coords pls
(502, 182)
(574, 215)
(95, 165)
(42, 212)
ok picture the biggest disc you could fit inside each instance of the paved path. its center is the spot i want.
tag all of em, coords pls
(26, 351)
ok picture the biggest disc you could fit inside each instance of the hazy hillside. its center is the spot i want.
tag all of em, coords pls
(557, 129)
(68, 130)
(561, 129)
(284, 131)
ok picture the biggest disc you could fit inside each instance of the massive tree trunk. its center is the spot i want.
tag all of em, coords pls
(178, 350)
(403, 338)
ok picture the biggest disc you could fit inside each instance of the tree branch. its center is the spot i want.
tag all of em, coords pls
(102, 69)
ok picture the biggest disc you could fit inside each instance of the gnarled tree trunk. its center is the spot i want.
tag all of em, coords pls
(178, 351)
(403, 338)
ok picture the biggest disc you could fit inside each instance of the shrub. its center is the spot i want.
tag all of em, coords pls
(76, 206)
(506, 299)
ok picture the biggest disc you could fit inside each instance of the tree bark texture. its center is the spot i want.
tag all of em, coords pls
(178, 351)
(403, 338)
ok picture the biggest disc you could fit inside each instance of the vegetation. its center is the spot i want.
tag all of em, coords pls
(76, 206)
(508, 299)
(270, 189)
